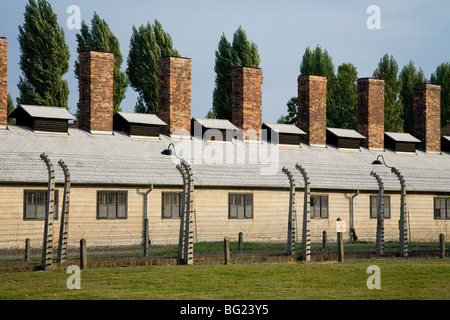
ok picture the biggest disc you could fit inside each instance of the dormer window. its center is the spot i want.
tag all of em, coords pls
(213, 129)
(138, 124)
(344, 138)
(400, 142)
(288, 134)
(41, 118)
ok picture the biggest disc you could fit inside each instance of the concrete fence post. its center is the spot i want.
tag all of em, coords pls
(226, 247)
(241, 242)
(442, 245)
(83, 254)
(27, 250)
(340, 245)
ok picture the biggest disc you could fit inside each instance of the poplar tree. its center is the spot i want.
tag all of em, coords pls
(147, 44)
(10, 108)
(292, 111)
(442, 77)
(44, 57)
(409, 77)
(222, 90)
(100, 38)
(240, 53)
(346, 97)
(387, 70)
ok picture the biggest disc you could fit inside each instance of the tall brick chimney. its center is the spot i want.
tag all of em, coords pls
(95, 81)
(174, 97)
(246, 99)
(370, 112)
(427, 116)
(312, 108)
(3, 82)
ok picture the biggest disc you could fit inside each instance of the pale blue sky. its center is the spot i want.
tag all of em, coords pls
(410, 30)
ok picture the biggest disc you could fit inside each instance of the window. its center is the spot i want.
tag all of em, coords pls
(319, 207)
(240, 206)
(374, 207)
(112, 204)
(35, 202)
(171, 205)
(442, 208)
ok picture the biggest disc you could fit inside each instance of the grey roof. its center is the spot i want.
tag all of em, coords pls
(285, 128)
(216, 123)
(119, 159)
(44, 112)
(346, 133)
(142, 118)
(401, 137)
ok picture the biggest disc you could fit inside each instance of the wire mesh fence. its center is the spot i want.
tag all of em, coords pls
(265, 231)
(216, 248)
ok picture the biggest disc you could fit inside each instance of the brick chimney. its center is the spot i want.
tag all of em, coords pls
(95, 81)
(427, 116)
(312, 108)
(3, 82)
(246, 99)
(174, 97)
(370, 112)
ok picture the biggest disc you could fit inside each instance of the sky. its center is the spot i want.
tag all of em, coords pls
(408, 30)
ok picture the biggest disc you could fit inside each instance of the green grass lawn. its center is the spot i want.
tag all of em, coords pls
(400, 279)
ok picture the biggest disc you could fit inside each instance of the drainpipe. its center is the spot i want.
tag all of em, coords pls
(146, 223)
(352, 222)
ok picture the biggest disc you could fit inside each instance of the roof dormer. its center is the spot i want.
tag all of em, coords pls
(138, 124)
(41, 118)
(288, 134)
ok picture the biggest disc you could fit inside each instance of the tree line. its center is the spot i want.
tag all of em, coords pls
(45, 58)
(342, 91)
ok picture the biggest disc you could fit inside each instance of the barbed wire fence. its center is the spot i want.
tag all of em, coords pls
(245, 237)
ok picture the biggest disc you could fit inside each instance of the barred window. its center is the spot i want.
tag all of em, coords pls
(319, 207)
(441, 208)
(240, 206)
(374, 207)
(112, 204)
(35, 202)
(171, 205)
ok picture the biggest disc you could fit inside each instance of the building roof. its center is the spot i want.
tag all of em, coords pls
(345, 133)
(285, 128)
(223, 124)
(401, 137)
(44, 112)
(142, 118)
(119, 159)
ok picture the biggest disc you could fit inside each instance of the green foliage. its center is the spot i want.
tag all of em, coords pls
(222, 91)
(387, 70)
(100, 38)
(10, 108)
(147, 44)
(346, 97)
(409, 77)
(292, 109)
(442, 77)
(281, 119)
(240, 53)
(211, 115)
(319, 63)
(244, 52)
(44, 57)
